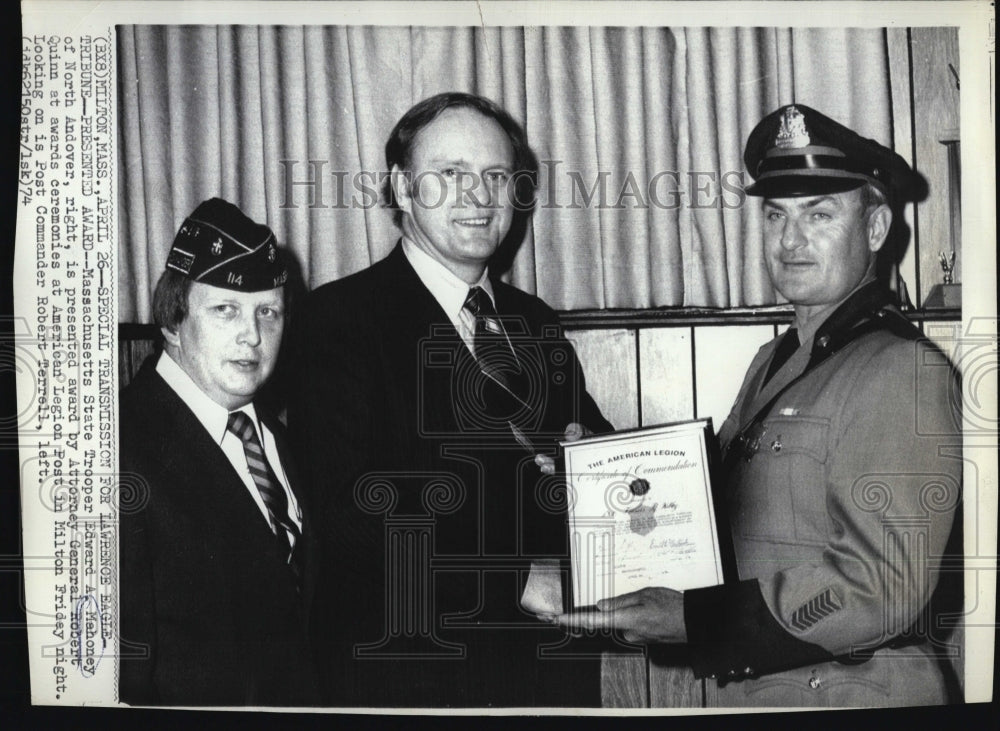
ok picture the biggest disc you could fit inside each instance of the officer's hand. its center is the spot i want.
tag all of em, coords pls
(653, 614)
(574, 431)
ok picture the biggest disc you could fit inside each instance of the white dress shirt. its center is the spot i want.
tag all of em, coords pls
(450, 291)
(215, 419)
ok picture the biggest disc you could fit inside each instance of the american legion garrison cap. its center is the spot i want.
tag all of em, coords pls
(218, 245)
(797, 151)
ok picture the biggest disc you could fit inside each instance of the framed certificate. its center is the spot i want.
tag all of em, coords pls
(642, 512)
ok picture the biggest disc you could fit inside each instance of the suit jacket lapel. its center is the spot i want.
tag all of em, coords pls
(412, 309)
(409, 303)
(422, 333)
(221, 498)
(514, 321)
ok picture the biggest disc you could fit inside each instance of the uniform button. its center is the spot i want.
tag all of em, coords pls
(732, 673)
(814, 682)
(712, 676)
(776, 445)
(823, 341)
(748, 670)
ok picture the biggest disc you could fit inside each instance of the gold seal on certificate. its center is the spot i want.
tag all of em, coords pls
(641, 511)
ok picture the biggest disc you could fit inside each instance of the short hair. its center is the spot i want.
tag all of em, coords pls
(170, 300)
(872, 197)
(399, 147)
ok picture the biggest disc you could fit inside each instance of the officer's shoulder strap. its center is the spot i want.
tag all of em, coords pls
(891, 319)
(880, 315)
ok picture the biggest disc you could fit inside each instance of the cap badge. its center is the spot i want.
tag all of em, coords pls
(792, 131)
(217, 247)
(271, 253)
(180, 260)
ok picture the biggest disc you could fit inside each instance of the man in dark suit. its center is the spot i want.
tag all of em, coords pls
(425, 391)
(216, 561)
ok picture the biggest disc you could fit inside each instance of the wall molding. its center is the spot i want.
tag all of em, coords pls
(688, 316)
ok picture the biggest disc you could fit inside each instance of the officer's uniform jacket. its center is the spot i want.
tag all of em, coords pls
(841, 502)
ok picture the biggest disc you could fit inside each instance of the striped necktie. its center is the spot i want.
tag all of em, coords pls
(507, 400)
(270, 489)
(492, 349)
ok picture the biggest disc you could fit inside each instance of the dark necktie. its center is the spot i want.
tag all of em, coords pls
(505, 392)
(785, 350)
(270, 489)
(493, 350)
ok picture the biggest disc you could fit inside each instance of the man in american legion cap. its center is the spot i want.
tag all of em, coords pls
(841, 460)
(215, 553)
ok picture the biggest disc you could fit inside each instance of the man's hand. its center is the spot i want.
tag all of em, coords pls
(574, 431)
(653, 614)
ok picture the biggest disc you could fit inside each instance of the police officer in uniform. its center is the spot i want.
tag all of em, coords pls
(842, 459)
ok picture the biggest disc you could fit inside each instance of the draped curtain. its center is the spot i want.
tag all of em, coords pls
(640, 132)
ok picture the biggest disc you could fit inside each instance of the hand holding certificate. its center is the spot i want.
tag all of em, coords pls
(641, 512)
(654, 614)
(643, 529)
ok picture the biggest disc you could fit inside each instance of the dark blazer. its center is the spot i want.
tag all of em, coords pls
(383, 415)
(210, 614)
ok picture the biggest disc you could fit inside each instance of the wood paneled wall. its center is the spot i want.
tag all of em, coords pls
(647, 376)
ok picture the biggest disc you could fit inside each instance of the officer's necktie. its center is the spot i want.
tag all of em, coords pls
(499, 363)
(270, 489)
(785, 350)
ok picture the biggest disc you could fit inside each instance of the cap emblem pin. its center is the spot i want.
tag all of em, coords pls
(792, 131)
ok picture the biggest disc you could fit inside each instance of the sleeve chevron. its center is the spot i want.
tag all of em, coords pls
(819, 607)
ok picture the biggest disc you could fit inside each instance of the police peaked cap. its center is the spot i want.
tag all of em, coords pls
(218, 245)
(797, 151)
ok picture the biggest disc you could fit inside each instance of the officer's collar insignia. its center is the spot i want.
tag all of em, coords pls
(217, 247)
(792, 131)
